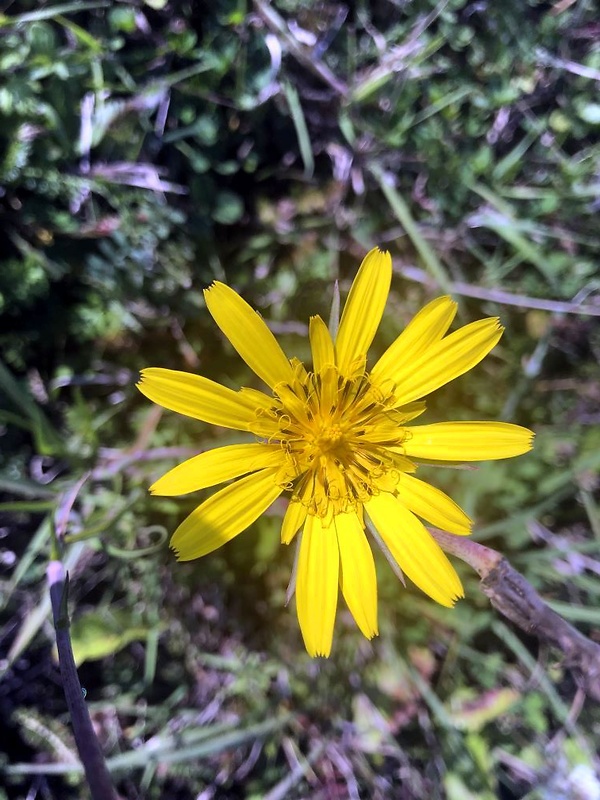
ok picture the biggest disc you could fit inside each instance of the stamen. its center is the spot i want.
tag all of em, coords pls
(335, 432)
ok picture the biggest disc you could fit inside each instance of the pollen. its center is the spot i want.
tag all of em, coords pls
(335, 433)
(329, 439)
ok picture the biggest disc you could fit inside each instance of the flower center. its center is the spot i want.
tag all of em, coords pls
(336, 433)
(329, 439)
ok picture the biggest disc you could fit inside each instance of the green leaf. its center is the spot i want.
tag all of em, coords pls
(98, 634)
(472, 711)
(228, 209)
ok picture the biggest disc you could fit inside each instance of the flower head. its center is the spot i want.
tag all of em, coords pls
(340, 442)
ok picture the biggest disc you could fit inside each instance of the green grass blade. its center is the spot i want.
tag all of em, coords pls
(37, 616)
(295, 106)
(48, 440)
(402, 213)
(36, 544)
(170, 754)
(512, 641)
(53, 11)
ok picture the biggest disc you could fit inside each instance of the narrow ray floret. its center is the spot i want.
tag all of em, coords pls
(339, 441)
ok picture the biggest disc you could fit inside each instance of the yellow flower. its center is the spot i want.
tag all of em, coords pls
(338, 440)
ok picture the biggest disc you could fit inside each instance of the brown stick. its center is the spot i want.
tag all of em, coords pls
(516, 599)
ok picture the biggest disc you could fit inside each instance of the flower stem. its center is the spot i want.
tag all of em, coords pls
(96, 772)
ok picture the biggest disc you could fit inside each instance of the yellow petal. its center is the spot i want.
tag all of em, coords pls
(293, 520)
(409, 411)
(417, 553)
(357, 573)
(433, 505)
(198, 397)
(225, 514)
(363, 310)
(249, 334)
(317, 585)
(217, 465)
(321, 344)
(444, 360)
(426, 328)
(467, 441)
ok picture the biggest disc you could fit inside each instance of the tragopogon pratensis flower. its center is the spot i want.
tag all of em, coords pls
(339, 440)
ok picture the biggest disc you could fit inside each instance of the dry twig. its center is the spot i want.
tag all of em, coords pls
(516, 599)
